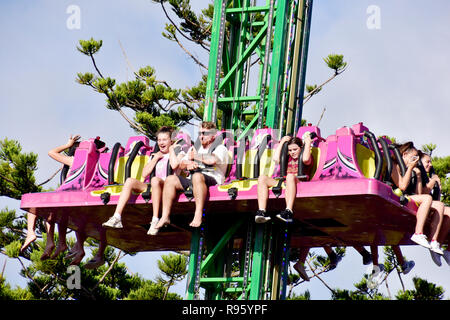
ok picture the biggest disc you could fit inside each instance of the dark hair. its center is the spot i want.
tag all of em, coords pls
(295, 140)
(165, 129)
(72, 149)
(99, 143)
(422, 154)
(405, 147)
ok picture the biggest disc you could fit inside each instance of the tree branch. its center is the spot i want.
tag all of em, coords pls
(173, 23)
(95, 65)
(28, 275)
(10, 181)
(107, 271)
(48, 180)
(315, 274)
(192, 109)
(189, 54)
(119, 109)
(313, 92)
(126, 58)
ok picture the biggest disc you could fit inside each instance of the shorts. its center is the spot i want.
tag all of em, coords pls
(185, 182)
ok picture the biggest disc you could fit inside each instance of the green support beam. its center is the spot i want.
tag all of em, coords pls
(215, 60)
(278, 55)
(256, 70)
(258, 263)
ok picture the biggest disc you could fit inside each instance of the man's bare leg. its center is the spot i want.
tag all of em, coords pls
(200, 191)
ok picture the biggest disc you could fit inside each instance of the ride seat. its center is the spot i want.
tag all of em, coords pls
(315, 148)
(138, 148)
(100, 176)
(83, 168)
(258, 159)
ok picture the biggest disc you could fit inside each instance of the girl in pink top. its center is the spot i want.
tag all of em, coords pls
(158, 162)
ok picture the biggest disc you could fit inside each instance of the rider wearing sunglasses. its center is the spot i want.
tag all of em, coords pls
(207, 168)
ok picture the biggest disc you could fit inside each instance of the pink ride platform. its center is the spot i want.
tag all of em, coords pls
(340, 204)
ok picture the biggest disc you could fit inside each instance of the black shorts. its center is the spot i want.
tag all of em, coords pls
(185, 182)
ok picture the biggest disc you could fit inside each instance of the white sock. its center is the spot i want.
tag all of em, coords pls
(263, 210)
(155, 219)
(117, 216)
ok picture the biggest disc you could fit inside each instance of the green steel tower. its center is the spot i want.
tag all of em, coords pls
(256, 79)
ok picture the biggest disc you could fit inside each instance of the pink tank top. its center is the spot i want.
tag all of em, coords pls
(161, 167)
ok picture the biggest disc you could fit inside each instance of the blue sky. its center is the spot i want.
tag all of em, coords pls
(396, 83)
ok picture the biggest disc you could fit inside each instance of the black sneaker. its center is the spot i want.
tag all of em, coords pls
(261, 216)
(285, 215)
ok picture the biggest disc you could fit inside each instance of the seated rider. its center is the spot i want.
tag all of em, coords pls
(55, 154)
(166, 152)
(425, 203)
(445, 228)
(264, 182)
(207, 168)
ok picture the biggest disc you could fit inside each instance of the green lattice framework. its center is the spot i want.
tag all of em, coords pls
(254, 85)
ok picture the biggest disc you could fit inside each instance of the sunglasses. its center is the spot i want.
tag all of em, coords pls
(206, 133)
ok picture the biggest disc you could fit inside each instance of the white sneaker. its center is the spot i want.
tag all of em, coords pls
(152, 231)
(436, 258)
(436, 247)
(447, 256)
(407, 266)
(421, 239)
(113, 222)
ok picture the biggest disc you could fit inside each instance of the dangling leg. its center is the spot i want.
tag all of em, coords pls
(129, 186)
(264, 183)
(443, 234)
(200, 191)
(157, 188)
(171, 185)
(424, 201)
(263, 192)
(438, 218)
(299, 266)
(81, 237)
(367, 258)
(445, 228)
(79, 245)
(99, 259)
(398, 255)
(50, 242)
(291, 191)
(405, 265)
(334, 259)
(31, 234)
(374, 252)
(62, 230)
